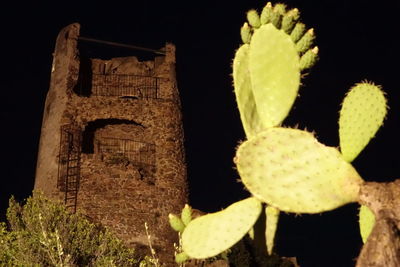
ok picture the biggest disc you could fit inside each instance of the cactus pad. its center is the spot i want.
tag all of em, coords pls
(366, 221)
(266, 69)
(186, 215)
(290, 170)
(211, 234)
(244, 94)
(181, 257)
(176, 223)
(363, 111)
(275, 79)
(272, 224)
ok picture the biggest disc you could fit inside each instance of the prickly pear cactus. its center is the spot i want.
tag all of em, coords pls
(267, 70)
(290, 170)
(211, 234)
(267, 67)
(362, 114)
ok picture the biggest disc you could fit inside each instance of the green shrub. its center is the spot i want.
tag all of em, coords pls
(44, 233)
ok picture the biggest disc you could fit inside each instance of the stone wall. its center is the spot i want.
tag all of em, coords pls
(118, 188)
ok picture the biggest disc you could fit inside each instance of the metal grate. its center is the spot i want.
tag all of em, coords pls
(125, 85)
(139, 153)
(69, 164)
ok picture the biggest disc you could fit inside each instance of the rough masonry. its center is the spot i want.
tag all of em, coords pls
(111, 143)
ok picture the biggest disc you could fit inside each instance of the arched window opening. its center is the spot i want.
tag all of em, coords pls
(119, 144)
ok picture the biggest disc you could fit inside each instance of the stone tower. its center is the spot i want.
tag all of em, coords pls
(111, 144)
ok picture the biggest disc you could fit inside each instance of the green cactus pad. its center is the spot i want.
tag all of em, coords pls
(290, 170)
(176, 223)
(244, 95)
(211, 234)
(272, 224)
(366, 221)
(276, 78)
(266, 69)
(181, 257)
(362, 113)
(186, 215)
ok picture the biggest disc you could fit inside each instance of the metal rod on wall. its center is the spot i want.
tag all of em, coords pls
(87, 39)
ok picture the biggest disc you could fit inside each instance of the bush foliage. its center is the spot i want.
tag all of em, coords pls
(43, 233)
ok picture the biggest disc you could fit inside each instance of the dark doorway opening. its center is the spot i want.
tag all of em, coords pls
(89, 131)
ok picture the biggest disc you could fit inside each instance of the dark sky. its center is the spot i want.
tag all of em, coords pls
(358, 40)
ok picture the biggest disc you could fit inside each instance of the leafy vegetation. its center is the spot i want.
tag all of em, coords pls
(43, 233)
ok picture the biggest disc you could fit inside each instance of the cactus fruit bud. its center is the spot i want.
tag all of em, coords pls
(280, 8)
(295, 13)
(289, 20)
(186, 215)
(276, 19)
(298, 31)
(176, 223)
(362, 113)
(306, 41)
(253, 18)
(211, 234)
(276, 16)
(181, 257)
(266, 14)
(272, 225)
(366, 221)
(290, 170)
(245, 33)
(309, 58)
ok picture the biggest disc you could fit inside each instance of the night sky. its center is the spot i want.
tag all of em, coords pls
(358, 41)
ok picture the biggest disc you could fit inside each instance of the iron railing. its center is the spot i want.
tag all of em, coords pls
(125, 85)
(139, 153)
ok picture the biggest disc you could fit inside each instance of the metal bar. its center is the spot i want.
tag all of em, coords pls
(87, 39)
